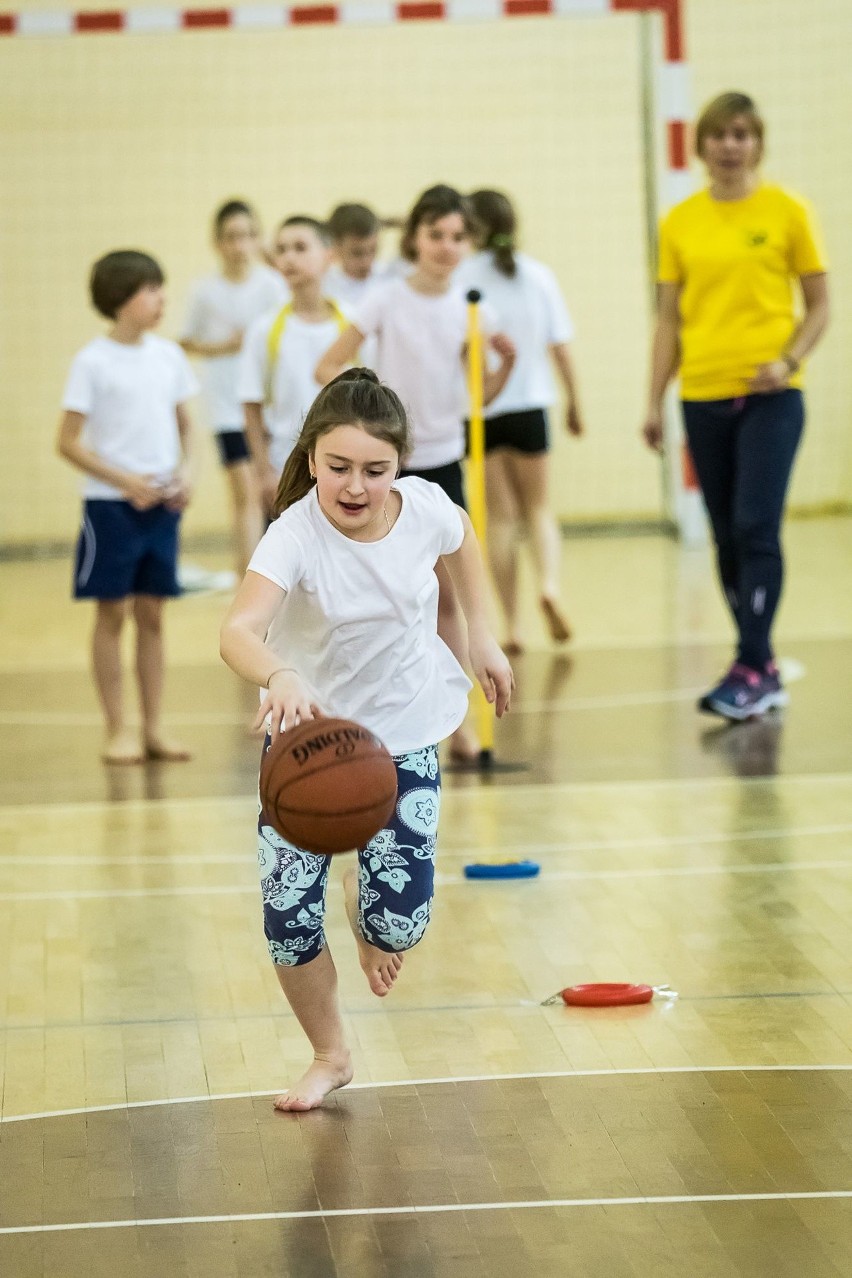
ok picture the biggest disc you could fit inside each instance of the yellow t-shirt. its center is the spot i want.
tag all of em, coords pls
(736, 262)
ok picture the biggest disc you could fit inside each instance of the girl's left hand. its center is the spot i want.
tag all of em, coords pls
(504, 347)
(770, 377)
(492, 669)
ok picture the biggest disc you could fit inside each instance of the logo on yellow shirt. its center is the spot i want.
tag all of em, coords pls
(755, 239)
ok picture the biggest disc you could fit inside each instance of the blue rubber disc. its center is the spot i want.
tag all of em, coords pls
(502, 870)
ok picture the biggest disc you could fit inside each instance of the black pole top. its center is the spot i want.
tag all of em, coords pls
(474, 296)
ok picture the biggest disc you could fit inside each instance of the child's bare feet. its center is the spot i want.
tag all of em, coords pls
(325, 1074)
(166, 750)
(557, 622)
(380, 968)
(122, 748)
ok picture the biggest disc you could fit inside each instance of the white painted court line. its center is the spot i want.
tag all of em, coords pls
(650, 1200)
(440, 1082)
(455, 851)
(445, 880)
(451, 794)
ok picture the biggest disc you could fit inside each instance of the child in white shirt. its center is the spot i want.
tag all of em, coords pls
(527, 299)
(420, 323)
(337, 615)
(126, 427)
(277, 383)
(221, 308)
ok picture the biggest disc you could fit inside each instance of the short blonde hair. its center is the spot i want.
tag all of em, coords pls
(721, 110)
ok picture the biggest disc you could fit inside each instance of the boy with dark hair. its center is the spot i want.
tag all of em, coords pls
(354, 233)
(125, 425)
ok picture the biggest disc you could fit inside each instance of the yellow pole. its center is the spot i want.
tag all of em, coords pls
(476, 493)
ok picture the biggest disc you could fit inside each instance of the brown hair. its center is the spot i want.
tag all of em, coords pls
(355, 220)
(116, 277)
(232, 208)
(720, 111)
(496, 226)
(437, 202)
(302, 219)
(355, 398)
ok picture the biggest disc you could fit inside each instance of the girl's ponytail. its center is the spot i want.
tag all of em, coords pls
(497, 226)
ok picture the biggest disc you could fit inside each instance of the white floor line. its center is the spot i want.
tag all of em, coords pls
(445, 880)
(649, 1200)
(455, 851)
(439, 1082)
(451, 794)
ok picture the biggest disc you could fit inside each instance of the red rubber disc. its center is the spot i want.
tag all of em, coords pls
(605, 994)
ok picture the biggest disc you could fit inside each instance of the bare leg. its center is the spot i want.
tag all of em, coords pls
(148, 613)
(530, 475)
(452, 629)
(380, 968)
(503, 515)
(246, 511)
(121, 744)
(311, 991)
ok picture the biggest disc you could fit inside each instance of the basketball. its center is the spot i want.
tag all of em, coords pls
(327, 785)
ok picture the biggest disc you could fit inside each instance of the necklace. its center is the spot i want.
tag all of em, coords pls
(387, 519)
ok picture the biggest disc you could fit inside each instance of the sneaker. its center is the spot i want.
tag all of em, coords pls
(745, 693)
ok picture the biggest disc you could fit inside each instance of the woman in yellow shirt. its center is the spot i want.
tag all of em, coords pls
(727, 322)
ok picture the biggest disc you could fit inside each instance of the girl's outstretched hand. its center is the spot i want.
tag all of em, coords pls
(492, 669)
(287, 703)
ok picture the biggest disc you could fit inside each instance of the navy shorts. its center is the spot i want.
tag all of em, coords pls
(233, 447)
(122, 551)
(448, 477)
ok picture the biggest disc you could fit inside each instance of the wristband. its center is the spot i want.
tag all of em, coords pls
(280, 670)
(792, 363)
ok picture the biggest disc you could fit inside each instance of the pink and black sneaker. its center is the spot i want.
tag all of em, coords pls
(745, 693)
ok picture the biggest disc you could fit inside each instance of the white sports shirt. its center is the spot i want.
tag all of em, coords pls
(359, 620)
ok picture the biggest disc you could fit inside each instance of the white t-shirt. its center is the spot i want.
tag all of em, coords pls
(531, 311)
(359, 619)
(421, 341)
(219, 307)
(128, 395)
(294, 387)
(352, 293)
(349, 290)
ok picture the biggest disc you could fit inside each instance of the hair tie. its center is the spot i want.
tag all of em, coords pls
(501, 241)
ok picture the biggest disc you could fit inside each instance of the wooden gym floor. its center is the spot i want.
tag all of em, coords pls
(485, 1135)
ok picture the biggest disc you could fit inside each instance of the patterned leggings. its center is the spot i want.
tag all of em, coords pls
(396, 873)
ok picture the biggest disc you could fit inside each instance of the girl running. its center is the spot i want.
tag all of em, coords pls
(726, 321)
(338, 614)
(530, 310)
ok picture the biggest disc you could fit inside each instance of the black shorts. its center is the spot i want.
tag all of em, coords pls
(233, 447)
(524, 432)
(448, 477)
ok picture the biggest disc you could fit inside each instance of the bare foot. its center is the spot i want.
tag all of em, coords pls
(380, 968)
(557, 622)
(324, 1075)
(122, 749)
(464, 745)
(166, 750)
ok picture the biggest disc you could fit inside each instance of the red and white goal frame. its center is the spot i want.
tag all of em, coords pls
(666, 105)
